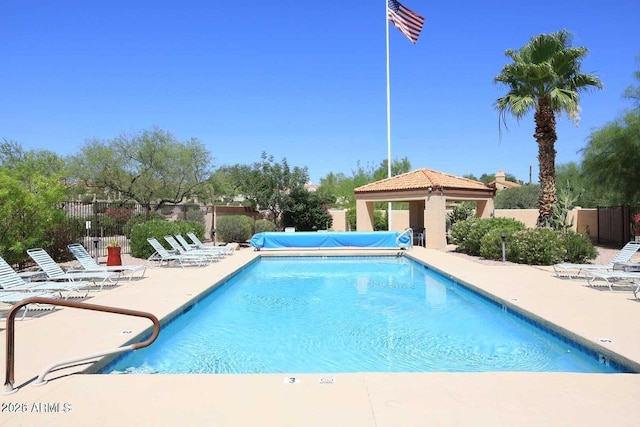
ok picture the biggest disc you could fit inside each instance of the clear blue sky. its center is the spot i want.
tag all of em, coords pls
(298, 79)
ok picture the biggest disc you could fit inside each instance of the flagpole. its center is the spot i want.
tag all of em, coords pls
(410, 24)
(386, 21)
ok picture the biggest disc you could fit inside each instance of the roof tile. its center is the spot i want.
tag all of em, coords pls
(422, 179)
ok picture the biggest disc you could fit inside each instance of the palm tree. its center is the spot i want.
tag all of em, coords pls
(545, 76)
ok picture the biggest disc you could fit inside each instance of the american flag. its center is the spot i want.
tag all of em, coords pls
(407, 21)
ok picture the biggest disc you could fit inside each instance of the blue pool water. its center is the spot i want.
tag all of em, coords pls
(354, 314)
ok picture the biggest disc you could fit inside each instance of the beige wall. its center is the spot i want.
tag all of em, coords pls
(339, 219)
(584, 220)
(399, 220)
(528, 217)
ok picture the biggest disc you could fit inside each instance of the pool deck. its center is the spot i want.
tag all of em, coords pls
(609, 319)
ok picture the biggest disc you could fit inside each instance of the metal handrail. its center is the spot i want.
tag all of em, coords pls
(408, 232)
(10, 362)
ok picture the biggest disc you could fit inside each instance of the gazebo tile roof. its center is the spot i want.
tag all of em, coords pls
(422, 179)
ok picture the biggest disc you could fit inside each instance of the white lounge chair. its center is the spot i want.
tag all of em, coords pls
(611, 278)
(89, 264)
(163, 256)
(55, 272)
(573, 271)
(11, 298)
(221, 250)
(199, 245)
(178, 248)
(11, 281)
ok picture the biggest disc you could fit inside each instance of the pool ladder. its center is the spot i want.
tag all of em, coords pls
(10, 350)
(409, 233)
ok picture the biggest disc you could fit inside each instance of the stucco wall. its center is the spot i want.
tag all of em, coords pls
(339, 219)
(528, 217)
(584, 220)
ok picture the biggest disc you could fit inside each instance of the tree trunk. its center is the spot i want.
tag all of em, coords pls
(546, 137)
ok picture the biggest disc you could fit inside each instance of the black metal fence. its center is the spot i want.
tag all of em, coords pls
(106, 222)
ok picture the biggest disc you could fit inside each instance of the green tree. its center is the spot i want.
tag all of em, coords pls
(152, 167)
(633, 91)
(545, 77)
(341, 186)
(610, 159)
(571, 177)
(380, 222)
(489, 177)
(267, 184)
(31, 200)
(525, 197)
(26, 164)
(397, 167)
(307, 211)
(338, 186)
(219, 187)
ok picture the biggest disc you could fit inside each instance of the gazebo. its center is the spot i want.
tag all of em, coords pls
(427, 191)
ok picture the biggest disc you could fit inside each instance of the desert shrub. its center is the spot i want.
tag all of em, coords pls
(460, 231)
(537, 246)
(140, 248)
(578, 247)
(351, 219)
(63, 233)
(234, 228)
(120, 214)
(139, 219)
(183, 227)
(459, 213)
(491, 243)
(380, 222)
(194, 215)
(468, 234)
(167, 210)
(107, 223)
(263, 225)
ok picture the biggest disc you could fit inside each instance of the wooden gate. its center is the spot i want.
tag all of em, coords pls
(614, 225)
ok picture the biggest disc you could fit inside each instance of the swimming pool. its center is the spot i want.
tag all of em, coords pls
(351, 314)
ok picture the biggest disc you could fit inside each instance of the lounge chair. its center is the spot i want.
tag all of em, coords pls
(11, 298)
(573, 271)
(163, 256)
(10, 280)
(199, 245)
(611, 278)
(89, 264)
(55, 272)
(178, 248)
(219, 250)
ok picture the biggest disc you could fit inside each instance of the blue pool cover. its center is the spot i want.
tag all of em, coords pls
(333, 239)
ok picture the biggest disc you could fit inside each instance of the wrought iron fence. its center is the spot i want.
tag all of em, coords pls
(106, 222)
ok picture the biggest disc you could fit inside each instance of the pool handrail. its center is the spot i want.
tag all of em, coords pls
(409, 233)
(10, 347)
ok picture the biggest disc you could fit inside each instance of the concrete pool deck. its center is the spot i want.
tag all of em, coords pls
(354, 400)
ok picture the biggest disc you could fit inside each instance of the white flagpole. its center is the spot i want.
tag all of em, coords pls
(386, 21)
